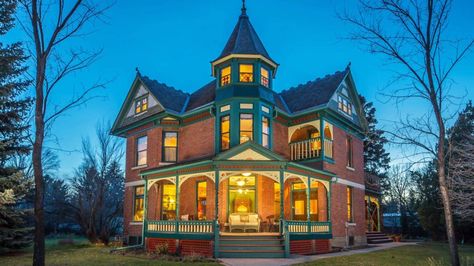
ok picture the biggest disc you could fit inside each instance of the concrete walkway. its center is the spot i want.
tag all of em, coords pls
(295, 259)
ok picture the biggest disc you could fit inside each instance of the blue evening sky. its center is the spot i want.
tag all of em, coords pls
(174, 41)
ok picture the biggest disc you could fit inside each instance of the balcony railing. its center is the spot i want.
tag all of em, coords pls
(310, 148)
(297, 227)
(184, 227)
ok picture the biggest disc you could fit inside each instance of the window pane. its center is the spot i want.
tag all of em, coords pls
(265, 125)
(225, 108)
(265, 141)
(142, 143)
(246, 127)
(225, 75)
(225, 135)
(171, 139)
(246, 73)
(246, 106)
(141, 158)
(264, 77)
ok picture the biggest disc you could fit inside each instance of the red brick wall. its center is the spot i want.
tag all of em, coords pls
(280, 140)
(196, 140)
(265, 197)
(187, 197)
(306, 247)
(338, 194)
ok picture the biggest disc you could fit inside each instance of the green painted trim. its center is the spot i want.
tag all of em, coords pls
(309, 236)
(249, 145)
(177, 187)
(322, 172)
(174, 168)
(145, 212)
(202, 236)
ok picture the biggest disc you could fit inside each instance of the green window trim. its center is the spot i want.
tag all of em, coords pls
(138, 203)
(266, 129)
(224, 138)
(246, 132)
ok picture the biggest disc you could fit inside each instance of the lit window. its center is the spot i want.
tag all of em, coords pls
(246, 106)
(168, 202)
(349, 204)
(265, 132)
(344, 105)
(170, 146)
(225, 108)
(245, 73)
(201, 199)
(138, 203)
(246, 127)
(264, 77)
(265, 109)
(350, 159)
(141, 150)
(225, 132)
(225, 75)
(141, 105)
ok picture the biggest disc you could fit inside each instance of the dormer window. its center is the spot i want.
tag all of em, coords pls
(225, 76)
(141, 105)
(246, 73)
(344, 105)
(264, 77)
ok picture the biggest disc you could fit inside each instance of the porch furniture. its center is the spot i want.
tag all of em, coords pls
(244, 221)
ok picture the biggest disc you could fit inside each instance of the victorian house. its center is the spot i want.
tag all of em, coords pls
(237, 169)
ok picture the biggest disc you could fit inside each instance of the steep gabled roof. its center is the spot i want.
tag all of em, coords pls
(203, 96)
(244, 40)
(171, 98)
(313, 93)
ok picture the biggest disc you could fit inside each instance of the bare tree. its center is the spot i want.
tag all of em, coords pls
(97, 188)
(49, 25)
(412, 35)
(461, 181)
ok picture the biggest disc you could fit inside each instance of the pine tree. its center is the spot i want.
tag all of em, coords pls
(375, 157)
(14, 232)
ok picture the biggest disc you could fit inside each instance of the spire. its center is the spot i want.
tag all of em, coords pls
(244, 38)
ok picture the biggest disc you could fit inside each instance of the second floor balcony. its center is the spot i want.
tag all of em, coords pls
(307, 143)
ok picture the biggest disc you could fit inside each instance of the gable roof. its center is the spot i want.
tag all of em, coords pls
(202, 96)
(171, 98)
(251, 148)
(244, 40)
(313, 93)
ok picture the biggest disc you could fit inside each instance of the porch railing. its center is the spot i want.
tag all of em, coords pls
(295, 227)
(305, 149)
(310, 148)
(185, 227)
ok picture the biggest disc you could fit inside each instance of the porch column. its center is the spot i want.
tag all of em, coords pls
(328, 201)
(321, 135)
(308, 204)
(177, 197)
(282, 188)
(216, 226)
(145, 206)
(369, 215)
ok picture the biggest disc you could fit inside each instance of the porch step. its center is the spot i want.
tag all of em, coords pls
(251, 247)
(377, 238)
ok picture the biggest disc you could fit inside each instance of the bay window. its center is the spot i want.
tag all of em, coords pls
(265, 132)
(264, 77)
(246, 127)
(225, 132)
(225, 75)
(246, 73)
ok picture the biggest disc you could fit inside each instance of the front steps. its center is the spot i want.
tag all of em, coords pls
(377, 238)
(251, 247)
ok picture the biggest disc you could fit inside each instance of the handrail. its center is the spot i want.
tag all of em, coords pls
(305, 149)
(308, 227)
(185, 227)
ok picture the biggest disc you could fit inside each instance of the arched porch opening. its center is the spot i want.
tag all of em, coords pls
(249, 202)
(305, 142)
(301, 206)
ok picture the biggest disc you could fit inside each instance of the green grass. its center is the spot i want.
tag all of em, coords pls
(422, 254)
(82, 253)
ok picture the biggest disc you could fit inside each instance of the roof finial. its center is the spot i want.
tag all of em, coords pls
(244, 9)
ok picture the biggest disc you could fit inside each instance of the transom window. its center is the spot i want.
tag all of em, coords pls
(138, 195)
(344, 105)
(170, 146)
(225, 132)
(265, 132)
(225, 75)
(264, 77)
(141, 150)
(246, 73)
(141, 105)
(246, 127)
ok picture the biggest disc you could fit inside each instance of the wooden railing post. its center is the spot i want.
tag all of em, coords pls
(287, 239)
(216, 239)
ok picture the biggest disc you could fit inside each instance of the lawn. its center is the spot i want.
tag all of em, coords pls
(82, 253)
(422, 254)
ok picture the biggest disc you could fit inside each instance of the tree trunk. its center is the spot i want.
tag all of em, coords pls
(448, 215)
(39, 246)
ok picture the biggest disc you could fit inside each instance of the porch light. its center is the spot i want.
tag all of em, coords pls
(246, 174)
(240, 191)
(240, 183)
